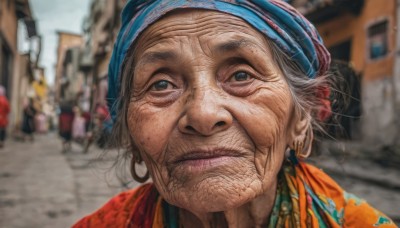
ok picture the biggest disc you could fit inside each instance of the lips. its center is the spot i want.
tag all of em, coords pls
(198, 161)
(206, 155)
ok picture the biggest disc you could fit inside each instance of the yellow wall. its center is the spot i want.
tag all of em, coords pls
(40, 88)
(355, 28)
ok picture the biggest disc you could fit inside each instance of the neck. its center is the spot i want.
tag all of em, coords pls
(252, 214)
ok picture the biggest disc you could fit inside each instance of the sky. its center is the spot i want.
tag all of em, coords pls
(52, 16)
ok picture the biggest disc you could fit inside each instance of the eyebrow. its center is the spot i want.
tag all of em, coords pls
(233, 45)
(154, 56)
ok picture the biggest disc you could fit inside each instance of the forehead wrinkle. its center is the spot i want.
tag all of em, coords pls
(195, 24)
(200, 29)
(210, 28)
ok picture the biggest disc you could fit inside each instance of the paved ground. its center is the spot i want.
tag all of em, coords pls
(379, 186)
(41, 187)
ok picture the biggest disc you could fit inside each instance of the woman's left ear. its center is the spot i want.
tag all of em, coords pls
(300, 134)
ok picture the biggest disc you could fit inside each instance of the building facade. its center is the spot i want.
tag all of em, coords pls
(16, 69)
(101, 27)
(364, 34)
(67, 67)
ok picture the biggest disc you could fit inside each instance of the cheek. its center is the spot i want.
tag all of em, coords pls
(266, 120)
(267, 115)
(149, 129)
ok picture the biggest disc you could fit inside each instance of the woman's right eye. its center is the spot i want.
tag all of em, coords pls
(161, 85)
(240, 76)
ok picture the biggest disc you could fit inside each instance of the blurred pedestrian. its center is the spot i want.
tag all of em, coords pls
(28, 124)
(41, 123)
(102, 112)
(78, 126)
(4, 111)
(103, 125)
(89, 133)
(65, 126)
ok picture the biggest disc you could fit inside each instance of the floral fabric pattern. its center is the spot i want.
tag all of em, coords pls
(306, 197)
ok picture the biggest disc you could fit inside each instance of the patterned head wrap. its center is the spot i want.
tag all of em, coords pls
(277, 20)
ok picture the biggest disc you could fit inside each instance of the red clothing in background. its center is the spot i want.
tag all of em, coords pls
(103, 113)
(4, 110)
(65, 122)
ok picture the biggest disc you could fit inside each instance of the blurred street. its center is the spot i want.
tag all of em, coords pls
(378, 185)
(41, 187)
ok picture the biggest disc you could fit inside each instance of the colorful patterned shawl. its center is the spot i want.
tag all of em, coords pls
(306, 197)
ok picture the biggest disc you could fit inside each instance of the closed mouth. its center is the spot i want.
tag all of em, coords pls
(206, 155)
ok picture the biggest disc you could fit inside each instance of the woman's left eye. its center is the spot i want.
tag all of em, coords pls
(240, 76)
(161, 85)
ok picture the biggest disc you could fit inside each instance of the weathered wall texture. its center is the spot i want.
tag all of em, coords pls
(396, 76)
(355, 28)
(8, 39)
(8, 24)
(102, 26)
(379, 114)
(20, 91)
(75, 77)
(65, 42)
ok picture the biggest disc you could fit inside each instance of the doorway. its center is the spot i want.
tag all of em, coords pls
(348, 107)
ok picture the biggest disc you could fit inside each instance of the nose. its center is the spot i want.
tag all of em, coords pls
(205, 113)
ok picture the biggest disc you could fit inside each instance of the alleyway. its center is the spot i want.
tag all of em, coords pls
(41, 187)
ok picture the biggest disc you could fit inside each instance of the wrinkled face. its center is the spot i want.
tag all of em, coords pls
(210, 111)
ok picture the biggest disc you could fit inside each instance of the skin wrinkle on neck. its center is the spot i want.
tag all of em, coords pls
(193, 53)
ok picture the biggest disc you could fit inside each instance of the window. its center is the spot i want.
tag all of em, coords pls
(378, 40)
(341, 51)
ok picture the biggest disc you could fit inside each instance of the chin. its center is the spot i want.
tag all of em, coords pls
(215, 192)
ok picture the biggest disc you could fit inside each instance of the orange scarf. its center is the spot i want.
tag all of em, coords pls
(306, 197)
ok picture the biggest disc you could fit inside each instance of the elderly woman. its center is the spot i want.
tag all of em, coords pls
(219, 98)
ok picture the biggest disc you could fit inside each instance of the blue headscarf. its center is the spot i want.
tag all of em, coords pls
(277, 20)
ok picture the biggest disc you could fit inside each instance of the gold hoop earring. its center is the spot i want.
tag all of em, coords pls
(135, 176)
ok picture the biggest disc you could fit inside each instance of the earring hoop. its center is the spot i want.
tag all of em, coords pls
(135, 176)
(306, 144)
